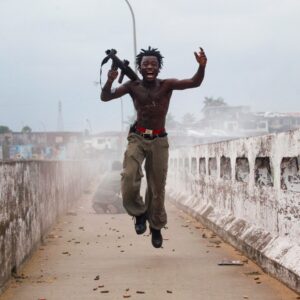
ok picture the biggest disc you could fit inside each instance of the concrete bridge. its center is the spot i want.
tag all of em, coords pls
(233, 228)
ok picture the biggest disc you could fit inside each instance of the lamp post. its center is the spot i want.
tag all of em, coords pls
(134, 33)
(135, 66)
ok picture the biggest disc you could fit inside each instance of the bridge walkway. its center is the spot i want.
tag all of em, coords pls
(91, 256)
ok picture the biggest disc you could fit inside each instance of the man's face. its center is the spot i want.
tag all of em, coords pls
(149, 68)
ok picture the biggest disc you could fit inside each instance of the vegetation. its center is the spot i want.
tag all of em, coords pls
(26, 129)
(210, 101)
(4, 129)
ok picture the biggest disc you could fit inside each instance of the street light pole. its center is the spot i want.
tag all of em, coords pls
(135, 67)
(134, 34)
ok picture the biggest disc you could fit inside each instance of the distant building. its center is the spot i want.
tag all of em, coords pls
(224, 122)
(41, 145)
(232, 121)
(109, 145)
(279, 122)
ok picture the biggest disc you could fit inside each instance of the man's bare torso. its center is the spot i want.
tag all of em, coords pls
(151, 102)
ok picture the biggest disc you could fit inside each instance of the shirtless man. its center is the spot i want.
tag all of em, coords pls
(147, 139)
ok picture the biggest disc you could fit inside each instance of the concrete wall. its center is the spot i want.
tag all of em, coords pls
(248, 191)
(32, 196)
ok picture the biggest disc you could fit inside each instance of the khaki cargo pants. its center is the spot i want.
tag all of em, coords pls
(155, 153)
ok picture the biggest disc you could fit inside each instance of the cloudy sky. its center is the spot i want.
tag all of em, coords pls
(51, 51)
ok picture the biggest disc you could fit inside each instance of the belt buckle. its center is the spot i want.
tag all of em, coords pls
(148, 131)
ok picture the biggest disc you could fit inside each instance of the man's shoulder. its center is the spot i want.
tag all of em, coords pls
(132, 83)
(170, 80)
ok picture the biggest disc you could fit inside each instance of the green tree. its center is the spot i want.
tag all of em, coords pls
(4, 129)
(26, 129)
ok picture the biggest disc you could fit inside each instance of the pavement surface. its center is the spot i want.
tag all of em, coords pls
(99, 256)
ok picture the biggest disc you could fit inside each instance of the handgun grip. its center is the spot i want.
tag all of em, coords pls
(121, 77)
(114, 66)
(126, 63)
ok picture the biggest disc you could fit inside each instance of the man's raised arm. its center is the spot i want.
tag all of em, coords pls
(108, 93)
(196, 80)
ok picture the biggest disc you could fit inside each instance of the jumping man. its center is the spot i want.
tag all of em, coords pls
(147, 139)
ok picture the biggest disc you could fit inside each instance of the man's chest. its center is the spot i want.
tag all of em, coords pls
(150, 96)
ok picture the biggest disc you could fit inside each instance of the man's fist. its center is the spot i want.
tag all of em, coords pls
(112, 75)
(201, 57)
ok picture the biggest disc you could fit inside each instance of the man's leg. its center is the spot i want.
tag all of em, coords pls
(131, 182)
(156, 170)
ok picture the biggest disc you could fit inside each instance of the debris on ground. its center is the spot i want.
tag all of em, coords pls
(229, 262)
(255, 273)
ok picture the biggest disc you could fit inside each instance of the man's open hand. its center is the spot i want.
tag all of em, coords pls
(201, 57)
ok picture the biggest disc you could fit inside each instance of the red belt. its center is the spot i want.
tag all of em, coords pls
(150, 131)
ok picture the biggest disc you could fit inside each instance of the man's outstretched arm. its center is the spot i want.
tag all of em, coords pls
(196, 80)
(108, 93)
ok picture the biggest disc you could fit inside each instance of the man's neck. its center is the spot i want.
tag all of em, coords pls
(149, 84)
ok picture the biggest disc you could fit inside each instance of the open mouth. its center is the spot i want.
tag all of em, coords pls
(150, 75)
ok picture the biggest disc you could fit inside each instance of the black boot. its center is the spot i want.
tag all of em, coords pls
(140, 223)
(156, 238)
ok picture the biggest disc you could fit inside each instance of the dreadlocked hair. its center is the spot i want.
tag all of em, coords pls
(150, 52)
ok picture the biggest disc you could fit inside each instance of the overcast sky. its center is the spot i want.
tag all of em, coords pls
(51, 51)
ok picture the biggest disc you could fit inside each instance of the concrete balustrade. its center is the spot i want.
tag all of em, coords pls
(33, 194)
(248, 191)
